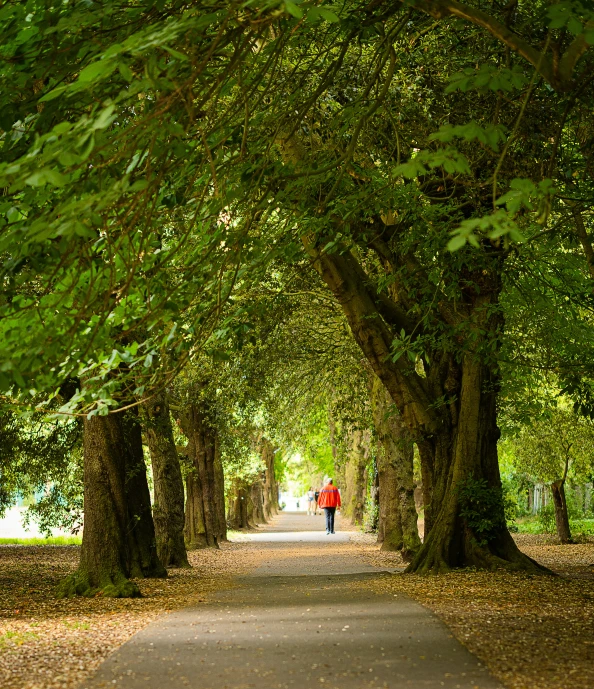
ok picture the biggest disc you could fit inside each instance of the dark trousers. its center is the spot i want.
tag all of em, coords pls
(330, 518)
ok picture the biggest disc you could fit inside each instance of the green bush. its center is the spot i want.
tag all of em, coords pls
(582, 527)
(546, 519)
(482, 507)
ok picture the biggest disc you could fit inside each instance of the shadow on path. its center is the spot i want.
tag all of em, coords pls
(295, 621)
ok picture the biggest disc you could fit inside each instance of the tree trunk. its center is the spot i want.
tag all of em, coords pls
(397, 513)
(168, 507)
(194, 526)
(561, 515)
(464, 456)
(219, 493)
(449, 408)
(203, 527)
(355, 485)
(142, 543)
(118, 539)
(270, 484)
(256, 503)
(239, 507)
(374, 498)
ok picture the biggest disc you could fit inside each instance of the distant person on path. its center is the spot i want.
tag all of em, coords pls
(311, 496)
(317, 497)
(329, 499)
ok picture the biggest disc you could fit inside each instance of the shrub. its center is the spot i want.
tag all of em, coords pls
(482, 507)
(546, 519)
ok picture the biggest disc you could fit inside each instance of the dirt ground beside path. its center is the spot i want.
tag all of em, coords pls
(534, 633)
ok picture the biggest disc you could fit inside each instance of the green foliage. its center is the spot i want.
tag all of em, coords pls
(546, 519)
(482, 508)
(42, 458)
(488, 78)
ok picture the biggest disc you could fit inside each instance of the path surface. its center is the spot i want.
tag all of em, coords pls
(300, 620)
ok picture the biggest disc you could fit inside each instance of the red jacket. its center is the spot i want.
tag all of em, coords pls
(329, 496)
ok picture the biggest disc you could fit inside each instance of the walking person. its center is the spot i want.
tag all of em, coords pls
(316, 497)
(310, 501)
(329, 499)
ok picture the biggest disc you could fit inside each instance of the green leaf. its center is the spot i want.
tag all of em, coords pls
(176, 54)
(46, 175)
(105, 118)
(125, 71)
(293, 9)
(96, 70)
(411, 169)
(53, 94)
(456, 242)
(574, 26)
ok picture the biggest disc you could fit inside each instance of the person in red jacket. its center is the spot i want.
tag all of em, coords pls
(329, 500)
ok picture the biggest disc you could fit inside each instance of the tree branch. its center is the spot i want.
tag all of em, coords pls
(560, 79)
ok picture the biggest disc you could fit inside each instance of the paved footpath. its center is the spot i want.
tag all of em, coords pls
(299, 621)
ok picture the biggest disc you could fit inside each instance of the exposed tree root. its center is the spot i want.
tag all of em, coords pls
(79, 584)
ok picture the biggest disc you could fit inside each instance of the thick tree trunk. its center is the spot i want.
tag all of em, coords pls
(463, 462)
(168, 506)
(194, 527)
(355, 477)
(270, 484)
(561, 515)
(118, 538)
(256, 503)
(239, 507)
(219, 494)
(142, 543)
(449, 408)
(374, 498)
(397, 511)
(203, 526)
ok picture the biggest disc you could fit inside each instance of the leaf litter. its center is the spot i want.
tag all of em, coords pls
(48, 643)
(533, 632)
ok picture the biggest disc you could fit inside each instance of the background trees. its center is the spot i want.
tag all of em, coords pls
(235, 203)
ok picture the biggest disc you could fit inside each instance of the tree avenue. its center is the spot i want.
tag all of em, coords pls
(238, 232)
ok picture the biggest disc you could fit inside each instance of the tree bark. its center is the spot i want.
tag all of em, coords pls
(168, 507)
(256, 503)
(239, 507)
(449, 407)
(194, 526)
(355, 477)
(219, 494)
(142, 543)
(270, 485)
(204, 525)
(561, 515)
(118, 536)
(397, 511)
